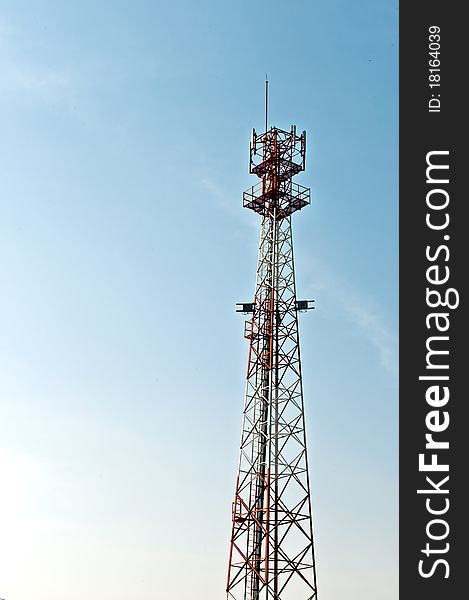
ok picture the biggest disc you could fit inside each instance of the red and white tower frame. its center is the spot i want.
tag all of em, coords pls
(272, 545)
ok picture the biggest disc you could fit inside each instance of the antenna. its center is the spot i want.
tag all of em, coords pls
(266, 100)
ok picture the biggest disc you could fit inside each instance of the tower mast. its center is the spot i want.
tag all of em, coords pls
(272, 546)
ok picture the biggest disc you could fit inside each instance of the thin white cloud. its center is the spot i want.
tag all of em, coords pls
(15, 77)
(377, 333)
(358, 311)
(228, 203)
(28, 77)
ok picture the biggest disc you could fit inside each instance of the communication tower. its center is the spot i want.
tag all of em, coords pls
(271, 553)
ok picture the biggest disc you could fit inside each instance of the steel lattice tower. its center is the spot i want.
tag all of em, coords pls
(272, 546)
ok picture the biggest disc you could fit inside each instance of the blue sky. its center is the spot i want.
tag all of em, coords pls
(124, 135)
